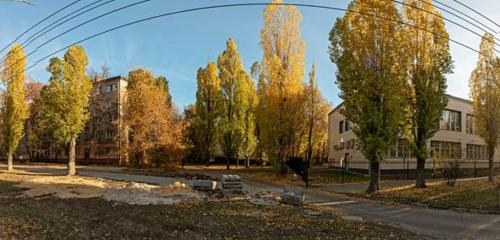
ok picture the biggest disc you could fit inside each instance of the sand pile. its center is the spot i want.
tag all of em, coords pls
(40, 186)
(144, 194)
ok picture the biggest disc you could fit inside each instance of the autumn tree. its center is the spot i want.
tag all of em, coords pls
(280, 83)
(485, 93)
(207, 108)
(429, 61)
(233, 79)
(316, 110)
(249, 139)
(162, 82)
(33, 136)
(371, 77)
(153, 127)
(15, 108)
(66, 99)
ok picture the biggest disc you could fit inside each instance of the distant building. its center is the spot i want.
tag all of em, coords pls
(456, 140)
(100, 140)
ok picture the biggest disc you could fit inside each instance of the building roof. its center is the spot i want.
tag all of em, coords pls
(449, 96)
(119, 77)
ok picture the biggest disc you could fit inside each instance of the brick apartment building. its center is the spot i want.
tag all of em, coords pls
(100, 141)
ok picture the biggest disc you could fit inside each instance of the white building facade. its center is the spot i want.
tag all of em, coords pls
(456, 140)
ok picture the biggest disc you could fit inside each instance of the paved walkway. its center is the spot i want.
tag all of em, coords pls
(438, 223)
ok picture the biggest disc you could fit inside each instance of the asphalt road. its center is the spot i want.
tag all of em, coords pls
(443, 224)
(437, 223)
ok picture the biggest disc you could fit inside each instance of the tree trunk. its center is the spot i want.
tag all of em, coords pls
(237, 162)
(420, 178)
(71, 158)
(10, 165)
(491, 170)
(247, 162)
(374, 184)
(228, 159)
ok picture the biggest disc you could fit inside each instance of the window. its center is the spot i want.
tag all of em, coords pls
(347, 127)
(401, 149)
(111, 117)
(469, 124)
(341, 126)
(111, 87)
(97, 91)
(109, 134)
(446, 150)
(476, 152)
(109, 103)
(451, 121)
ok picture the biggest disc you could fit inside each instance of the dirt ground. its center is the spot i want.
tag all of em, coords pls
(64, 187)
(51, 217)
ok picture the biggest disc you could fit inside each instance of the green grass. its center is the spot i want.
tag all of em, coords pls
(478, 195)
(323, 176)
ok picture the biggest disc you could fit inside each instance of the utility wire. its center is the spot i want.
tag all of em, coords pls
(458, 16)
(462, 13)
(243, 5)
(446, 19)
(38, 23)
(480, 14)
(34, 37)
(80, 25)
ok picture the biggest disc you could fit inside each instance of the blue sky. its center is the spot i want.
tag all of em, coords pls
(177, 46)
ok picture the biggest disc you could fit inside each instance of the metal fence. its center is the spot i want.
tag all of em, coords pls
(357, 171)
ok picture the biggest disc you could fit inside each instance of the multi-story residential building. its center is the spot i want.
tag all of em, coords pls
(456, 140)
(100, 140)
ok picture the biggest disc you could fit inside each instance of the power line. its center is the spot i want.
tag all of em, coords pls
(464, 14)
(480, 14)
(446, 19)
(34, 37)
(458, 16)
(38, 23)
(82, 24)
(242, 5)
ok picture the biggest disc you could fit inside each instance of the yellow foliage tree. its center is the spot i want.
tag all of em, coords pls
(369, 54)
(485, 93)
(66, 100)
(207, 111)
(15, 108)
(280, 83)
(152, 127)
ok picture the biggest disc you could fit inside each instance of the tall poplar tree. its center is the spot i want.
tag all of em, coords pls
(367, 51)
(429, 61)
(66, 99)
(280, 83)
(485, 93)
(316, 108)
(15, 108)
(207, 109)
(232, 80)
(250, 102)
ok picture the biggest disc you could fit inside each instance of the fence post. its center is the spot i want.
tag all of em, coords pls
(475, 168)
(433, 168)
(404, 168)
(343, 169)
(407, 169)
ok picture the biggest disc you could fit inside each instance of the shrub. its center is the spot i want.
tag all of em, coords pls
(449, 171)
